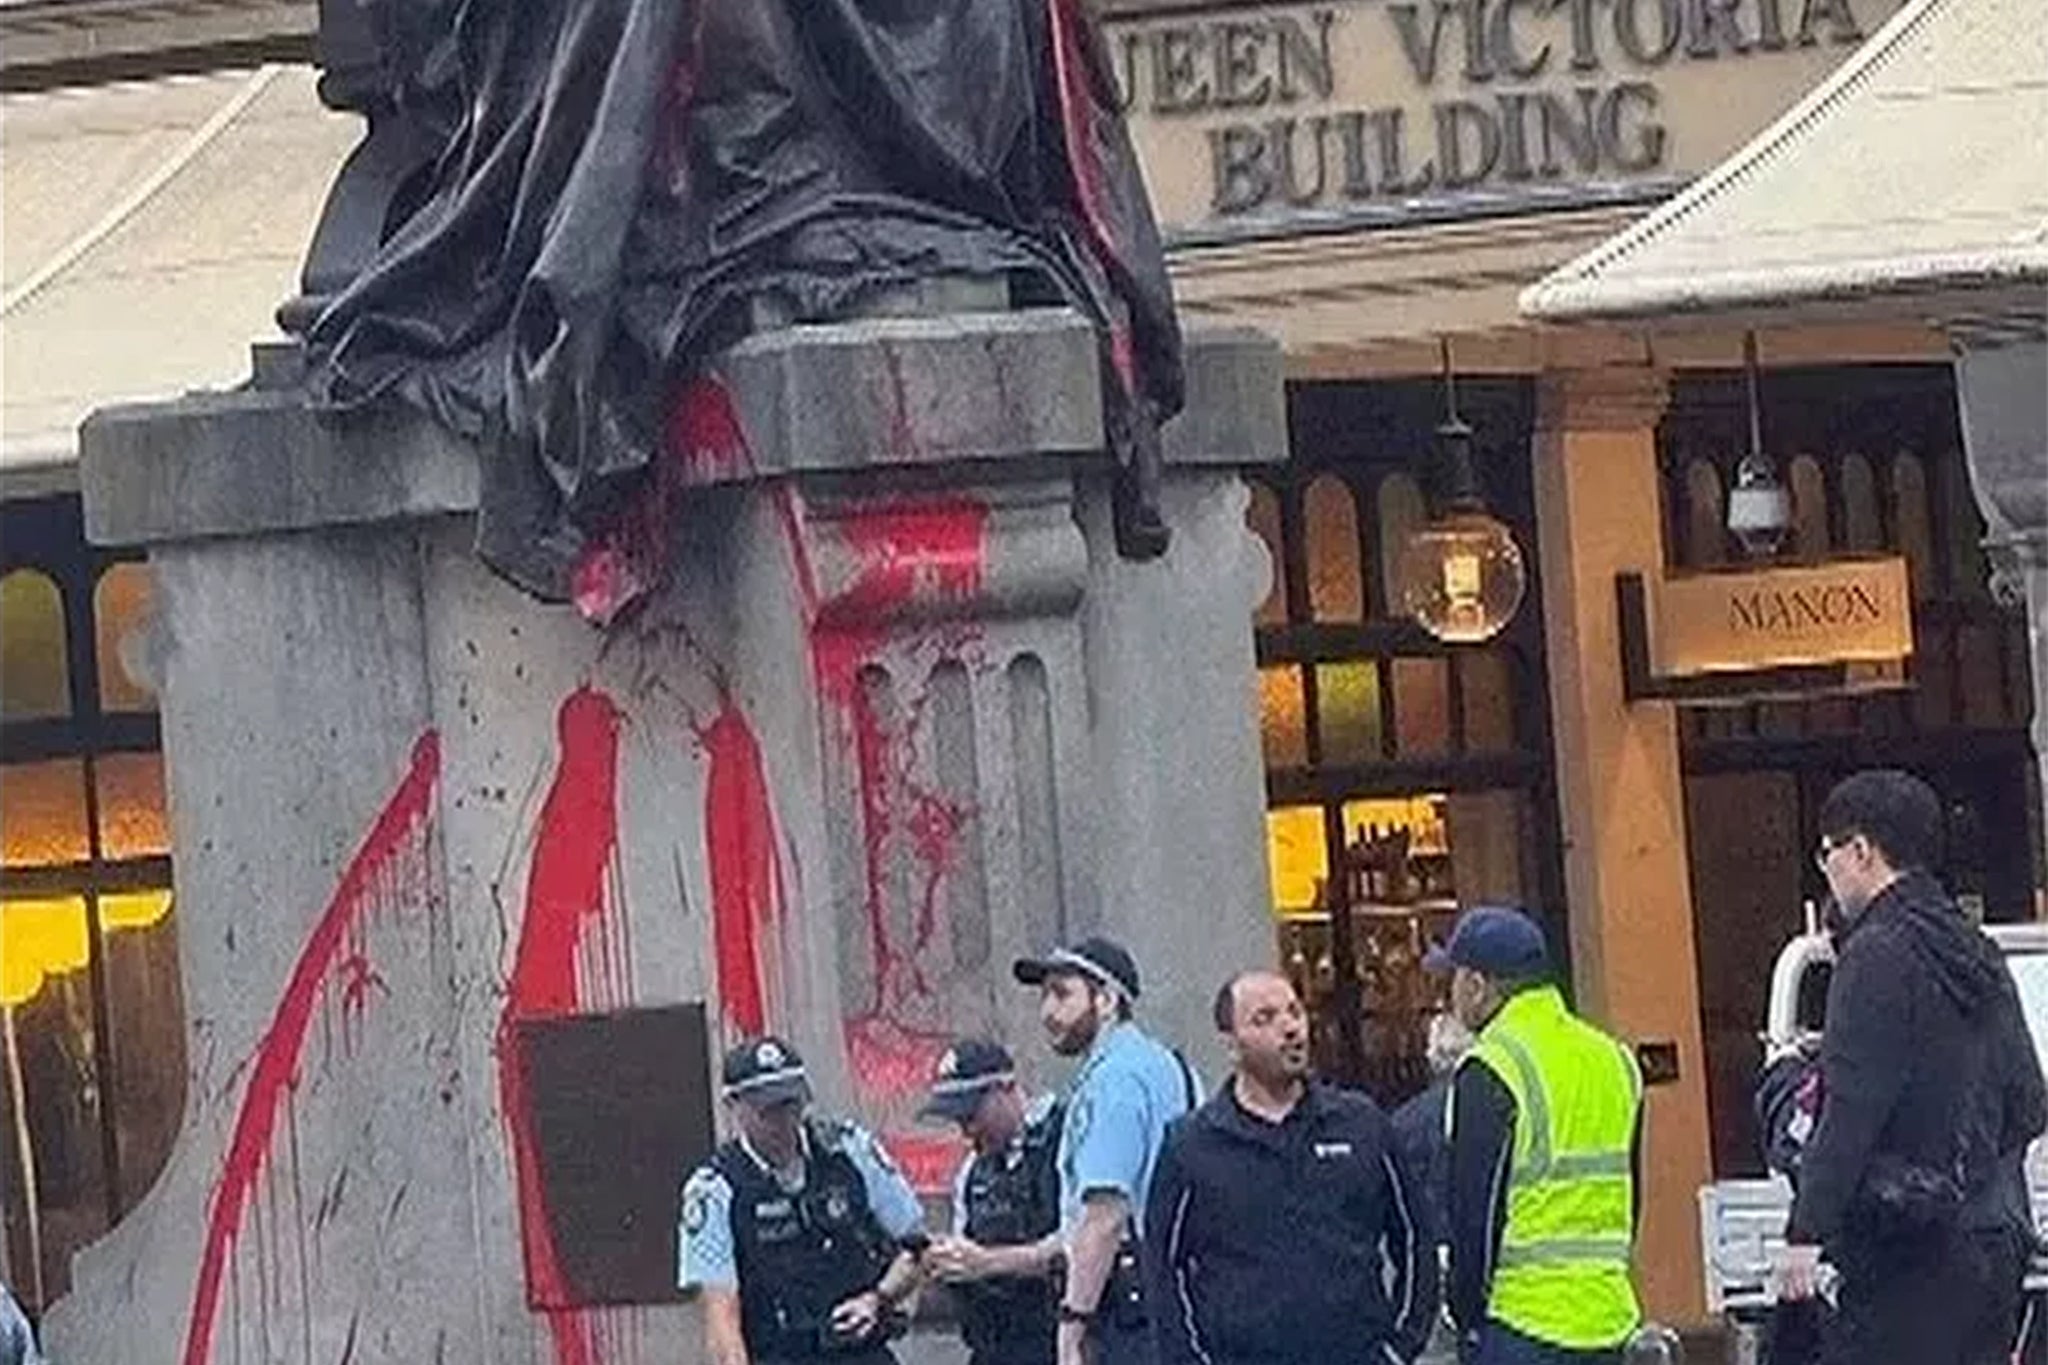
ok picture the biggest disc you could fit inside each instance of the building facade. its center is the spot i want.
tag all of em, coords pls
(1363, 181)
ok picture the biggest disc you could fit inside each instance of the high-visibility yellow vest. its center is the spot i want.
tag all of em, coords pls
(1563, 1272)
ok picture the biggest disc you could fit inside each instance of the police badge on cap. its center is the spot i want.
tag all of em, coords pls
(765, 1071)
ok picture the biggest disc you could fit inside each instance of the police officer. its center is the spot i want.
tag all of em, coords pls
(1545, 1135)
(1129, 1088)
(1004, 1249)
(800, 1231)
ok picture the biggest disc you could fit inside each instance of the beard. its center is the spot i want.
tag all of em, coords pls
(1074, 1039)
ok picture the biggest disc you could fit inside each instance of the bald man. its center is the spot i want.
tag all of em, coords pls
(1277, 1207)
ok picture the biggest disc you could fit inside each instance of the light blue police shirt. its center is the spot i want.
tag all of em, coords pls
(1128, 1090)
(704, 1250)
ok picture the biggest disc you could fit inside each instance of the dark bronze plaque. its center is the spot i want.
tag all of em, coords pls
(621, 1113)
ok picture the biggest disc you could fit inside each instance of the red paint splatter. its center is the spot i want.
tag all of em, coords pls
(702, 441)
(704, 431)
(913, 553)
(566, 922)
(746, 878)
(573, 850)
(903, 551)
(275, 1075)
(929, 1163)
(906, 554)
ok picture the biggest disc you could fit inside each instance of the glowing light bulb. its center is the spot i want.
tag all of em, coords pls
(1462, 577)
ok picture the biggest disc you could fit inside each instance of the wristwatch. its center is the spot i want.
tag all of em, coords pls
(1069, 1313)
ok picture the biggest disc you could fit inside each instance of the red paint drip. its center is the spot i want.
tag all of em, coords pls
(275, 1074)
(565, 898)
(746, 878)
(901, 550)
(702, 440)
(704, 431)
(1071, 65)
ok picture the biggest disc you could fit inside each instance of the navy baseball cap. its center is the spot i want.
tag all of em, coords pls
(1493, 941)
(765, 1071)
(1098, 959)
(966, 1071)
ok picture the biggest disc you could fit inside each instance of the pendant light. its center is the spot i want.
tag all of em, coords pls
(1759, 507)
(1461, 574)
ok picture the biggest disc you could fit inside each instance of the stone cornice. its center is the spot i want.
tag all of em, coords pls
(80, 42)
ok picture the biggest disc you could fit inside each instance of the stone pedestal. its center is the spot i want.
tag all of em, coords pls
(901, 715)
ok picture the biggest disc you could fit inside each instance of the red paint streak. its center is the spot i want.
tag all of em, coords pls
(573, 849)
(902, 550)
(746, 878)
(275, 1075)
(605, 580)
(1071, 67)
(704, 431)
(702, 441)
(566, 898)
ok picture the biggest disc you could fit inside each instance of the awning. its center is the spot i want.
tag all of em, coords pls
(153, 227)
(1915, 179)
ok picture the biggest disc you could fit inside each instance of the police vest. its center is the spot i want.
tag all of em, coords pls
(1013, 1197)
(801, 1254)
(1563, 1272)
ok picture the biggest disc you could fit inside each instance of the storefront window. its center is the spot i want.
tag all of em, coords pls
(1336, 581)
(1349, 712)
(1405, 778)
(1876, 466)
(34, 671)
(91, 1010)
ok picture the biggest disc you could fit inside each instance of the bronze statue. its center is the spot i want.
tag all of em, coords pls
(563, 206)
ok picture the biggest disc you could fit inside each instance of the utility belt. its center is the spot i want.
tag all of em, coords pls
(818, 1341)
(1123, 1296)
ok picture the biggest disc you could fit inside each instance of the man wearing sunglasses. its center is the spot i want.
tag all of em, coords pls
(1910, 1186)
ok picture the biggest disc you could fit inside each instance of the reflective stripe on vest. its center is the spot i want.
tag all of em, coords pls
(1562, 1276)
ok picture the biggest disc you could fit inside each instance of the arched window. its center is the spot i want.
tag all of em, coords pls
(121, 609)
(89, 972)
(35, 673)
(1706, 535)
(1336, 581)
(1263, 516)
(1401, 510)
(1862, 531)
(1809, 507)
(1916, 529)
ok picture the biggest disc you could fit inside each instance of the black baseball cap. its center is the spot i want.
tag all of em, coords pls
(966, 1071)
(1095, 958)
(765, 1071)
(1493, 941)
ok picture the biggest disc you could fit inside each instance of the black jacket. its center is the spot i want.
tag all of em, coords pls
(1265, 1242)
(1926, 1064)
(1422, 1138)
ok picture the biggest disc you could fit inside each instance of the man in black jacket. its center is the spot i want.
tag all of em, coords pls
(1276, 1208)
(1932, 1091)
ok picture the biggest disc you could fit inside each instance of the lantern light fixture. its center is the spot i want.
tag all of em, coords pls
(1461, 575)
(1759, 507)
